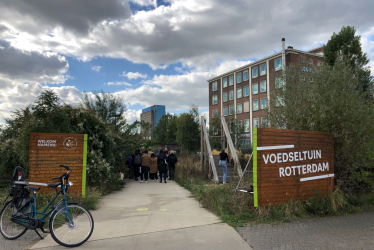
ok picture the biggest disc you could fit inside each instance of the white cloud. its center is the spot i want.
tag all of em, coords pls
(145, 2)
(96, 68)
(26, 66)
(133, 75)
(19, 95)
(194, 33)
(119, 83)
(132, 115)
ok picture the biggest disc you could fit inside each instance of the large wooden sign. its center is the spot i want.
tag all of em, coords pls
(48, 151)
(290, 164)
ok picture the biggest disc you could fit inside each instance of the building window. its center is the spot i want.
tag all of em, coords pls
(231, 80)
(278, 64)
(225, 82)
(214, 100)
(215, 113)
(231, 95)
(246, 91)
(224, 111)
(255, 123)
(239, 93)
(255, 105)
(278, 82)
(279, 101)
(263, 86)
(240, 124)
(246, 125)
(239, 77)
(246, 106)
(255, 88)
(232, 127)
(224, 96)
(262, 69)
(264, 122)
(318, 63)
(214, 86)
(310, 61)
(239, 108)
(245, 76)
(231, 109)
(254, 72)
(302, 59)
(263, 103)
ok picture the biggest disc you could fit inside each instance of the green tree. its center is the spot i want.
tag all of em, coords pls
(188, 130)
(331, 101)
(107, 106)
(45, 103)
(166, 129)
(347, 44)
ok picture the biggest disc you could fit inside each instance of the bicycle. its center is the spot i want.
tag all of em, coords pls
(70, 224)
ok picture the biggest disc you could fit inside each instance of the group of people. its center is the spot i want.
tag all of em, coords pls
(154, 165)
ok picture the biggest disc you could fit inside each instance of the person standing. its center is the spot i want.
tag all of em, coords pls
(136, 164)
(222, 162)
(162, 166)
(150, 151)
(145, 164)
(153, 168)
(172, 160)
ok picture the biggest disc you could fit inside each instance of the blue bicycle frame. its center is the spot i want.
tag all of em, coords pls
(34, 213)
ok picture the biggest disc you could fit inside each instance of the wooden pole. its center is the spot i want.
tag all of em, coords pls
(201, 145)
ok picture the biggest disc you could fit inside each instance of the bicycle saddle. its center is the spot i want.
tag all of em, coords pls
(32, 188)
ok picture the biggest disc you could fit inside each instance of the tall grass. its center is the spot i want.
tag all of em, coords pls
(236, 208)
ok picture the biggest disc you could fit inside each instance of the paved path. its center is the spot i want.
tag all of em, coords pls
(155, 215)
(340, 233)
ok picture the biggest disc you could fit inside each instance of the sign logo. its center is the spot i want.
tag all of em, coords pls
(70, 143)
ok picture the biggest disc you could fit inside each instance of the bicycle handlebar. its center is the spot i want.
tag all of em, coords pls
(64, 175)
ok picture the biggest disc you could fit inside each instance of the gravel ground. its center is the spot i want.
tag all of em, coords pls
(342, 232)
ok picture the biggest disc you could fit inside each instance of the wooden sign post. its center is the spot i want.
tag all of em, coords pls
(291, 164)
(48, 151)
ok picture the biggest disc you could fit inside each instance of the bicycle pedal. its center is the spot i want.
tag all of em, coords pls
(45, 231)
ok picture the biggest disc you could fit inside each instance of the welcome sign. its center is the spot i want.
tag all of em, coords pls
(47, 151)
(291, 164)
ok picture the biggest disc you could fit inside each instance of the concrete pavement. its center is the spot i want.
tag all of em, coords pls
(155, 215)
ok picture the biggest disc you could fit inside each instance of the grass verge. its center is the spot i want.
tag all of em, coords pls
(236, 208)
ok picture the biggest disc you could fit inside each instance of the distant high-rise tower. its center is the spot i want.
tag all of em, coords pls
(152, 115)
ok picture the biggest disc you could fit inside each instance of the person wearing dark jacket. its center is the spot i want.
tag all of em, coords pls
(136, 164)
(172, 160)
(162, 165)
(222, 162)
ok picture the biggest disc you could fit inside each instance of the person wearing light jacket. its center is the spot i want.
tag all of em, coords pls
(145, 164)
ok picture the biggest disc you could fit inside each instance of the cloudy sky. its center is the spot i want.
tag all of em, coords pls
(154, 52)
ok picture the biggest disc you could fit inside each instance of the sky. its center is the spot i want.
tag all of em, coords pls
(152, 52)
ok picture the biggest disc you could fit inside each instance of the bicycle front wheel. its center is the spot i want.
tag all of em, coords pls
(8, 228)
(72, 227)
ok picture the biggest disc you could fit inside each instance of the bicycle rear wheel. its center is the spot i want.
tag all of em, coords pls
(9, 229)
(71, 232)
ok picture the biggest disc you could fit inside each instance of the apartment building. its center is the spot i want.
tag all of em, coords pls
(152, 115)
(243, 93)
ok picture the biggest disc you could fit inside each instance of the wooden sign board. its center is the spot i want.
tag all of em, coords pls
(48, 151)
(291, 164)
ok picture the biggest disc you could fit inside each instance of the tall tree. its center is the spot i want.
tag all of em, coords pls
(347, 44)
(331, 103)
(165, 131)
(188, 129)
(107, 106)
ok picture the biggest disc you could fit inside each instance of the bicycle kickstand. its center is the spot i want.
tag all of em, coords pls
(38, 234)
